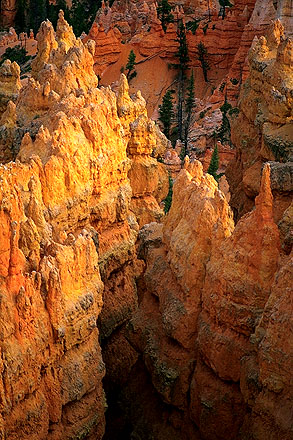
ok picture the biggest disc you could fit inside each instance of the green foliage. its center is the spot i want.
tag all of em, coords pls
(31, 13)
(130, 66)
(183, 152)
(82, 14)
(280, 149)
(183, 58)
(225, 107)
(222, 87)
(53, 11)
(234, 81)
(224, 133)
(223, 5)
(164, 13)
(189, 106)
(168, 199)
(234, 111)
(205, 28)
(204, 112)
(190, 99)
(166, 112)
(15, 53)
(18, 54)
(182, 53)
(192, 26)
(22, 17)
(203, 58)
(214, 164)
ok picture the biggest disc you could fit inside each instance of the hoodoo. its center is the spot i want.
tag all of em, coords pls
(145, 281)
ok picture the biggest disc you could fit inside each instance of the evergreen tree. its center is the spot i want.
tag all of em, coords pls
(164, 13)
(130, 66)
(79, 17)
(224, 133)
(15, 53)
(214, 164)
(203, 58)
(22, 18)
(183, 59)
(223, 5)
(189, 106)
(182, 53)
(166, 112)
(168, 199)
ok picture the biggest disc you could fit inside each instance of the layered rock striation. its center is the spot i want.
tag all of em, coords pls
(208, 303)
(67, 235)
(266, 124)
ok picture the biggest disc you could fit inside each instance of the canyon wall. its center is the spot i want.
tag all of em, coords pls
(8, 10)
(265, 119)
(67, 234)
(184, 321)
(209, 327)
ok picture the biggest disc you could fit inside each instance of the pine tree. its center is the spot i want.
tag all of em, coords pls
(130, 66)
(82, 14)
(224, 133)
(189, 106)
(223, 5)
(78, 17)
(182, 53)
(214, 164)
(166, 112)
(168, 199)
(22, 18)
(164, 14)
(203, 58)
(183, 59)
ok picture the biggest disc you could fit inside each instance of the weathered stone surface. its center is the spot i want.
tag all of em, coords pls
(66, 224)
(266, 123)
(195, 329)
(9, 83)
(8, 12)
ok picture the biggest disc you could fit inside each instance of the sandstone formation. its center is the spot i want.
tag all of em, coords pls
(118, 321)
(67, 235)
(266, 123)
(200, 332)
(9, 83)
(10, 39)
(8, 10)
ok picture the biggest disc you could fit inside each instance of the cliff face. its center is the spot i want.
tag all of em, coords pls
(206, 322)
(66, 225)
(8, 10)
(187, 319)
(266, 123)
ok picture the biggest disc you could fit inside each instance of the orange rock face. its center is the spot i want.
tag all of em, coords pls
(66, 225)
(207, 288)
(266, 123)
(9, 83)
(188, 318)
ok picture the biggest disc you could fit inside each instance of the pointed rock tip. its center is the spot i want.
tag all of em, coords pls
(265, 197)
(194, 168)
(123, 84)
